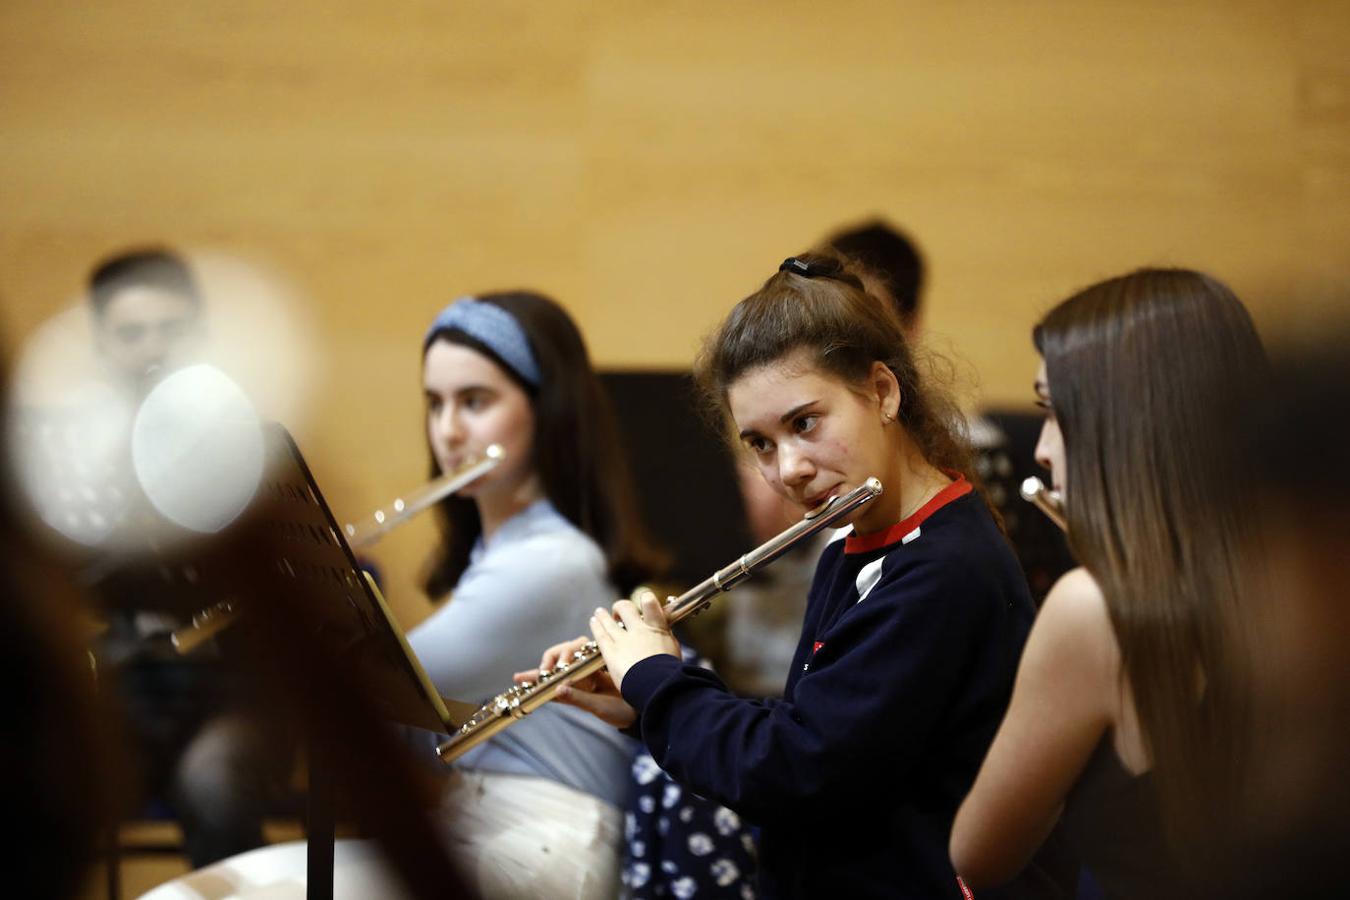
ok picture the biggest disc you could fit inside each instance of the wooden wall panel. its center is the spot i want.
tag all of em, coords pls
(650, 163)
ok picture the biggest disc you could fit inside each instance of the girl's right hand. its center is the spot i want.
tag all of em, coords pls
(596, 694)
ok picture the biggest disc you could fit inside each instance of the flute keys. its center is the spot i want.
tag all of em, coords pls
(698, 598)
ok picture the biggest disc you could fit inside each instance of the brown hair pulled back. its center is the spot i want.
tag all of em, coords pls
(829, 313)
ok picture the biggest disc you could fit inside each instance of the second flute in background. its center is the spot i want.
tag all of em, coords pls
(377, 524)
(214, 619)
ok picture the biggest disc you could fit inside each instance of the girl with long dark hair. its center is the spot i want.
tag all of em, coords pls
(528, 551)
(1131, 712)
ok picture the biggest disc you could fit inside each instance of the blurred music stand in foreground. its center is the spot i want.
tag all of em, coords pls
(317, 629)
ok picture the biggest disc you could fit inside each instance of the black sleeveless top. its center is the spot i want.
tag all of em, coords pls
(1112, 820)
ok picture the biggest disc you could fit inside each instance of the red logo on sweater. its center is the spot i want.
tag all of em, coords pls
(816, 647)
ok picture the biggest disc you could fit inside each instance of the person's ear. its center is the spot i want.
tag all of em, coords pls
(886, 389)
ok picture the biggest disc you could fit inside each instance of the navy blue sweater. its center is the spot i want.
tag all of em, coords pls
(903, 672)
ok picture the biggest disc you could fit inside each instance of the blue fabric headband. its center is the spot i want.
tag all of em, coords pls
(494, 328)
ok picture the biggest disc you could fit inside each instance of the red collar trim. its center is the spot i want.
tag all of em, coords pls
(864, 543)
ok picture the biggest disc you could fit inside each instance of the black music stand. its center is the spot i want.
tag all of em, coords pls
(305, 555)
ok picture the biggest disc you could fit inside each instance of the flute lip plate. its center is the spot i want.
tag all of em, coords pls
(874, 489)
(1031, 486)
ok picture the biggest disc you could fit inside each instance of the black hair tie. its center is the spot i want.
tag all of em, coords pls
(797, 267)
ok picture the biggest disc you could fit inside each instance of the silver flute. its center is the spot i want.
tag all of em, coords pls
(379, 523)
(523, 699)
(1047, 501)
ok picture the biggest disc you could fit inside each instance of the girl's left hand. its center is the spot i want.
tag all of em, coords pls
(642, 634)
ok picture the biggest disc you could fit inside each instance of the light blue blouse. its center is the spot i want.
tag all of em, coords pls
(534, 583)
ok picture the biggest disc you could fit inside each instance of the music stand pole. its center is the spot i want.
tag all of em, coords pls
(319, 820)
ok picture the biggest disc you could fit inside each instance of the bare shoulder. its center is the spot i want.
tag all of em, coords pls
(1077, 586)
(1073, 629)
(1076, 602)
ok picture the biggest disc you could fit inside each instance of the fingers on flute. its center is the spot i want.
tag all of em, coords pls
(646, 611)
(598, 696)
(558, 652)
(607, 629)
(644, 598)
(653, 613)
(626, 612)
(550, 658)
(601, 623)
(579, 686)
